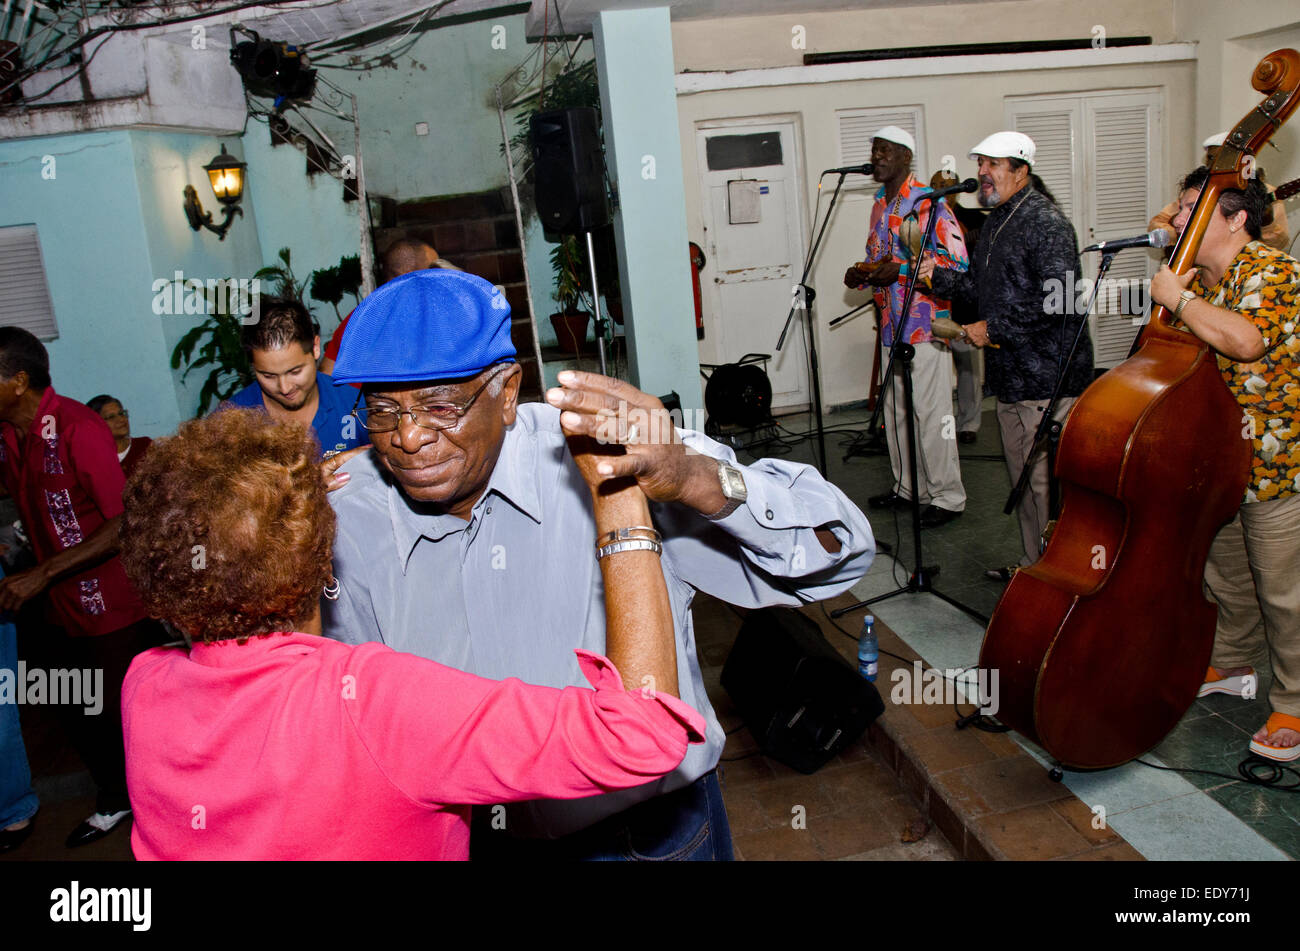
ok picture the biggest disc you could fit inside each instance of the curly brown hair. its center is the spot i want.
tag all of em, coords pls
(227, 532)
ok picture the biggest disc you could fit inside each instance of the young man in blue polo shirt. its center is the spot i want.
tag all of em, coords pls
(283, 346)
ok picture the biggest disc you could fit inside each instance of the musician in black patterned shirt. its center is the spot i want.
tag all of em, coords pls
(1022, 271)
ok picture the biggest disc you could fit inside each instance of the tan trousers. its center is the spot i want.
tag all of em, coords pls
(1017, 423)
(937, 467)
(1253, 574)
(969, 396)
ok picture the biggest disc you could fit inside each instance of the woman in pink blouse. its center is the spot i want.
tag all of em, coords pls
(265, 740)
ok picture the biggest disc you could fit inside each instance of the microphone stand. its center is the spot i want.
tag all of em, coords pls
(805, 297)
(922, 576)
(1049, 429)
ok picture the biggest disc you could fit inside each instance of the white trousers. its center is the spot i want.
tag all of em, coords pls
(937, 467)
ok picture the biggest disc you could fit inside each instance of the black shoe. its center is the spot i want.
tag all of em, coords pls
(95, 828)
(966, 438)
(890, 500)
(934, 516)
(10, 839)
(1001, 574)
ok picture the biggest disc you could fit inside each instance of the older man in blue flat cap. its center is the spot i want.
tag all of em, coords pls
(467, 536)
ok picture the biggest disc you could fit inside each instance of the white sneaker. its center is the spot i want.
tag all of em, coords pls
(105, 821)
(1241, 685)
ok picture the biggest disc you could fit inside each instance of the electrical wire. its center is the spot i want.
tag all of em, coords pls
(1246, 773)
(98, 31)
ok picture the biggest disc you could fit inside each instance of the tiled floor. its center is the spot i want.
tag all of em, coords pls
(1160, 814)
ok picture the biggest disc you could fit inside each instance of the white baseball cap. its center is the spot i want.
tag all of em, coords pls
(1007, 145)
(1214, 141)
(892, 133)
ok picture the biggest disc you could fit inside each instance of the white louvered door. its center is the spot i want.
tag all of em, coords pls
(24, 291)
(1099, 154)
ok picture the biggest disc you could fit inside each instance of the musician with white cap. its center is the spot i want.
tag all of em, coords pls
(1025, 262)
(886, 271)
(1274, 232)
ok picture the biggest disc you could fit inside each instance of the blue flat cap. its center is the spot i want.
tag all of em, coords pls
(427, 325)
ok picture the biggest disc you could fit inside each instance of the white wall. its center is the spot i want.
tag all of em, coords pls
(751, 42)
(1232, 39)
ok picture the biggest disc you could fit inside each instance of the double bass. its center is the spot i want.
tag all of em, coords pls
(1102, 644)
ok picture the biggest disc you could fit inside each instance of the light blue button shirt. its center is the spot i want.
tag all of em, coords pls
(514, 590)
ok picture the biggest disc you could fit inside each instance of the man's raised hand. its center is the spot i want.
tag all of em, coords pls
(330, 465)
(635, 435)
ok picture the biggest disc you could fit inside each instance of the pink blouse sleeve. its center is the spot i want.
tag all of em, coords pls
(445, 736)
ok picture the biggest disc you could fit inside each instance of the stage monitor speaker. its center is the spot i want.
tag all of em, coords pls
(569, 171)
(802, 701)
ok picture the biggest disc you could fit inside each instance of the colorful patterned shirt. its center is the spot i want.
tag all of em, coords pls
(884, 244)
(1263, 285)
(67, 482)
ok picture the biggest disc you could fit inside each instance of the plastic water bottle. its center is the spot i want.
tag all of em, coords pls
(868, 649)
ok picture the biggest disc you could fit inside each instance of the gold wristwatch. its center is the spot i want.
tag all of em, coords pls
(1183, 299)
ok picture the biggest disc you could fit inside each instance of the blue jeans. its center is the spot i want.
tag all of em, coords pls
(687, 825)
(17, 801)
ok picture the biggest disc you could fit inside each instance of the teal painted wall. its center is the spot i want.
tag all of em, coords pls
(111, 223)
(97, 262)
(635, 54)
(165, 162)
(445, 80)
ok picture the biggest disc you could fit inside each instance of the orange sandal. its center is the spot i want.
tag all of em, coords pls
(1284, 754)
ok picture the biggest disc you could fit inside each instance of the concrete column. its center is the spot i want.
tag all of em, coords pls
(634, 59)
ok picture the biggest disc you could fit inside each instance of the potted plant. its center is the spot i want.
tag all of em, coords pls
(329, 284)
(570, 322)
(219, 339)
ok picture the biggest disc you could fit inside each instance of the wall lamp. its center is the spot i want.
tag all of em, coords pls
(227, 176)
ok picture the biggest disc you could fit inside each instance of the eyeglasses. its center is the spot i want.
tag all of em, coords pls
(439, 415)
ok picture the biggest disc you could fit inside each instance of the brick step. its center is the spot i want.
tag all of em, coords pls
(456, 237)
(498, 267)
(489, 204)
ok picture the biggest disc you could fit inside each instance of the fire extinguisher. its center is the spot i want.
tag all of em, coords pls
(697, 264)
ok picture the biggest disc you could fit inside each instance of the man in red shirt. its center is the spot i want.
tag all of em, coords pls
(59, 462)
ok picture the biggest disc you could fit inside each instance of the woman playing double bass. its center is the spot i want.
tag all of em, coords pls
(1243, 299)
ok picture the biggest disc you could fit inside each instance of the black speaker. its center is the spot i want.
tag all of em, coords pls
(802, 701)
(569, 170)
(739, 394)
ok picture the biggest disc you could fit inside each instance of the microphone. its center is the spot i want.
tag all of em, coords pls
(1160, 238)
(969, 185)
(866, 168)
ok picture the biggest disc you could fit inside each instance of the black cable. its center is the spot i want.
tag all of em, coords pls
(1247, 771)
(978, 720)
